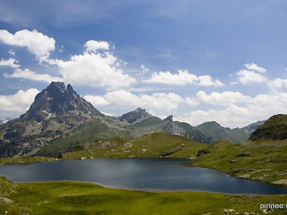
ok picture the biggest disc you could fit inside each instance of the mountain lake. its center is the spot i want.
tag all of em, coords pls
(139, 174)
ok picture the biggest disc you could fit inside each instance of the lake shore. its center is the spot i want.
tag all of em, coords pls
(150, 190)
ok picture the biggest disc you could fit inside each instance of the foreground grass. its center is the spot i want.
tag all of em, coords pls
(85, 198)
(263, 161)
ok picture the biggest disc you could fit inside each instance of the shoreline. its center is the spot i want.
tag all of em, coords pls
(150, 190)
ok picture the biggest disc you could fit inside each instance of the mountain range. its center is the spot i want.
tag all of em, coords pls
(59, 120)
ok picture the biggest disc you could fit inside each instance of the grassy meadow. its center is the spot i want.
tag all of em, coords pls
(86, 198)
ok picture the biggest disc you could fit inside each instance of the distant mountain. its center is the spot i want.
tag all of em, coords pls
(54, 113)
(217, 132)
(275, 128)
(135, 116)
(252, 127)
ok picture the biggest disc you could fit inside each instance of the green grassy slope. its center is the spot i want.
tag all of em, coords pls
(147, 126)
(95, 130)
(264, 161)
(151, 145)
(84, 198)
(92, 131)
(275, 128)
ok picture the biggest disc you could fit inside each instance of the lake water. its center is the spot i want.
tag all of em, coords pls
(139, 174)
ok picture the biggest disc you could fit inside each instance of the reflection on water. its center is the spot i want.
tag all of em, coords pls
(167, 174)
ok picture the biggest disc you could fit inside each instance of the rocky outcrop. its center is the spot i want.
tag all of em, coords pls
(280, 182)
(171, 128)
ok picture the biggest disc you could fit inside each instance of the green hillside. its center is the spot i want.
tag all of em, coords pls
(95, 130)
(147, 126)
(275, 128)
(264, 160)
(91, 131)
(148, 146)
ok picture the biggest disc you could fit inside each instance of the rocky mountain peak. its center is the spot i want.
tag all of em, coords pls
(56, 87)
(171, 128)
(57, 111)
(135, 116)
(140, 110)
(57, 99)
(169, 118)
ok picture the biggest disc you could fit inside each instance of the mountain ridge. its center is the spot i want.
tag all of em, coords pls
(55, 112)
(59, 119)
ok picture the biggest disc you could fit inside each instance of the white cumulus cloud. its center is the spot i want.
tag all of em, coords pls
(9, 63)
(165, 102)
(224, 98)
(253, 66)
(93, 45)
(181, 78)
(18, 102)
(94, 69)
(157, 101)
(278, 83)
(36, 42)
(96, 100)
(28, 74)
(246, 77)
(11, 52)
(144, 69)
(256, 108)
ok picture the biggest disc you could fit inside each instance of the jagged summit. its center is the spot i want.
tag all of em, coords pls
(140, 110)
(135, 116)
(57, 99)
(55, 112)
(171, 128)
(169, 118)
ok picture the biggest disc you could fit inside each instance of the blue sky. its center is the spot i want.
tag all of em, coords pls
(199, 60)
